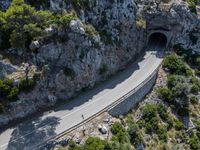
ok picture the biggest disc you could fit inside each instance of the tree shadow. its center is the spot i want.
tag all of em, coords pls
(28, 134)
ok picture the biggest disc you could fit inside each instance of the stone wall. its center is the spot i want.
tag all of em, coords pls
(125, 106)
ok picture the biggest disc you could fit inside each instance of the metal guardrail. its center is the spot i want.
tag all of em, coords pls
(113, 105)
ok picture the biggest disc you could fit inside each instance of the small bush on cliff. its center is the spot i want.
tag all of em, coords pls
(150, 117)
(90, 30)
(194, 142)
(26, 85)
(164, 94)
(176, 66)
(197, 61)
(192, 5)
(13, 94)
(162, 133)
(119, 133)
(21, 23)
(194, 100)
(178, 125)
(65, 19)
(195, 89)
(94, 143)
(141, 23)
(134, 134)
(7, 90)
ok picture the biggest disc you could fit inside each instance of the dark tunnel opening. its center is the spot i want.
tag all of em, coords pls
(158, 40)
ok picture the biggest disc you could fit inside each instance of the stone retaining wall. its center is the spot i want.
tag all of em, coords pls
(125, 106)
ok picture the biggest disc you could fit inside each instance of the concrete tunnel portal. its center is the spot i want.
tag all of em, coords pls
(159, 39)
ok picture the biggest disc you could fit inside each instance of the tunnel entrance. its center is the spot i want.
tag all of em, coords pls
(157, 39)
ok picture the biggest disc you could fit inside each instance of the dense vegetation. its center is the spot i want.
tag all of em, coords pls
(181, 93)
(22, 23)
(192, 5)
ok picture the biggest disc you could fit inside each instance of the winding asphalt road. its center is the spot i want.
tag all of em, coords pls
(30, 133)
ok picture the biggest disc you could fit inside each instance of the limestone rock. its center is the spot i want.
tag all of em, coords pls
(34, 45)
(6, 68)
(77, 26)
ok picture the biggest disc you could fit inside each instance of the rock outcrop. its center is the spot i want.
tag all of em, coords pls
(102, 40)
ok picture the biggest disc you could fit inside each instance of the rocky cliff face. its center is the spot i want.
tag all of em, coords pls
(101, 41)
(4, 4)
(178, 19)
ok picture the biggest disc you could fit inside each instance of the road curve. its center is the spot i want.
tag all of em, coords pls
(27, 135)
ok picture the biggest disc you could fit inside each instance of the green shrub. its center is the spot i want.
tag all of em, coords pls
(149, 111)
(194, 100)
(195, 89)
(5, 87)
(181, 90)
(72, 145)
(178, 125)
(164, 94)
(119, 133)
(179, 86)
(197, 73)
(181, 135)
(192, 5)
(198, 125)
(134, 134)
(117, 127)
(194, 142)
(121, 137)
(195, 81)
(149, 115)
(94, 143)
(7, 90)
(173, 80)
(162, 133)
(176, 66)
(22, 24)
(162, 111)
(90, 30)
(181, 51)
(26, 85)
(66, 19)
(197, 61)
(77, 3)
(170, 122)
(13, 94)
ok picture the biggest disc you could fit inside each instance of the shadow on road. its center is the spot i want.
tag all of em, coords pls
(26, 135)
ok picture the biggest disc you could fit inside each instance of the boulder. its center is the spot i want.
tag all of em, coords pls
(51, 30)
(77, 26)
(103, 129)
(6, 68)
(34, 45)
